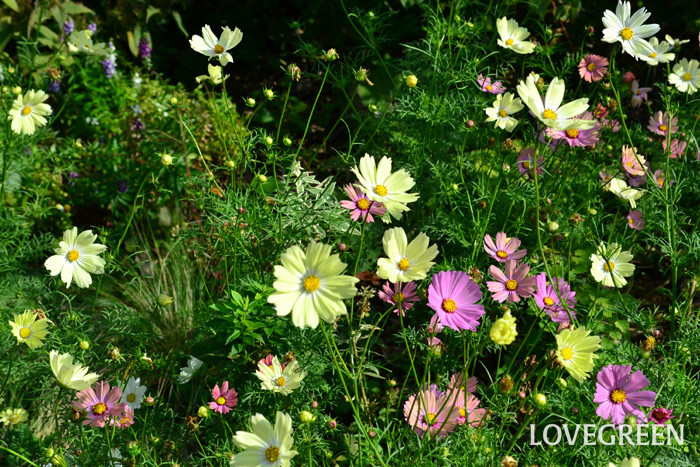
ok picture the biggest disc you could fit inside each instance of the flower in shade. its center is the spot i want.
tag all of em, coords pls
(677, 148)
(512, 284)
(624, 192)
(12, 417)
(629, 30)
(659, 124)
(383, 186)
(504, 331)
(503, 107)
(406, 261)
(576, 351)
(661, 415)
(211, 46)
(30, 330)
(403, 293)
(461, 383)
(72, 376)
(276, 379)
(619, 393)
(593, 67)
(635, 220)
(267, 445)
(610, 265)
(686, 76)
(100, 403)
(186, 372)
(512, 36)
(453, 296)
(29, 112)
(431, 411)
(123, 419)
(310, 285)
(133, 393)
(638, 94)
(486, 85)
(549, 298)
(360, 205)
(504, 248)
(661, 52)
(76, 258)
(576, 137)
(68, 27)
(144, 48)
(675, 42)
(660, 178)
(526, 161)
(224, 399)
(632, 161)
(466, 406)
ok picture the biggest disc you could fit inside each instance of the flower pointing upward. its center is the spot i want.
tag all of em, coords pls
(211, 46)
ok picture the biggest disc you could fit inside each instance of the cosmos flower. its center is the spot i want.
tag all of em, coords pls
(576, 351)
(624, 192)
(513, 36)
(460, 383)
(610, 265)
(276, 379)
(76, 258)
(431, 411)
(618, 393)
(453, 296)
(638, 94)
(659, 124)
(548, 298)
(29, 112)
(29, 330)
(593, 67)
(526, 162)
(512, 284)
(405, 261)
(675, 42)
(211, 46)
(12, 417)
(661, 52)
(466, 406)
(660, 178)
(186, 372)
(661, 415)
(133, 393)
(100, 403)
(267, 445)
(503, 107)
(224, 399)
(360, 205)
(631, 163)
(677, 147)
(635, 220)
(486, 85)
(575, 137)
(686, 75)
(404, 293)
(629, 30)
(72, 376)
(504, 248)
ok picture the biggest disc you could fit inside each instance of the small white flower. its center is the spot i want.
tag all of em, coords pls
(76, 258)
(186, 372)
(620, 188)
(28, 112)
(137, 80)
(513, 36)
(630, 31)
(610, 265)
(661, 52)
(503, 107)
(686, 76)
(213, 47)
(275, 379)
(675, 43)
(133, 393)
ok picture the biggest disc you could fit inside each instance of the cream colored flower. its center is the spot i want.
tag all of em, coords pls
(266, 446)
(629, 30)
(29, 112)
(12, 417)
(686, 76)
(504, 331)
(661, 52)
(26, 328)
(576, 351)
(406, 261)
(620, 188)
(211, 46)
(76, 258)
(215, 75)
(72, 376)
(610, 265)
(513, 36)
(503, 107)
(276, 379)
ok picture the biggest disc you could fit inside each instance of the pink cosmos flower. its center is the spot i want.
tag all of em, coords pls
(124, 419)
(360, 205)
(486, 85)
(611, 124)
(453, 296)
(661, 415)
(578, 138)
(635, 220)
(407, 294)
(460, 383)
(632, 164)
(605, 177)
(224, 399)
(660, 178)
(658, 123)
(638, 94)
(466, 406)
(628, 77)
(513, 284)
(619, 393)
(267, 361)
(526, 161)
(100, 403)
(504, 249)
(431, 411)
(677, 147)
(637, 180)
(547, 298)
(593, 67)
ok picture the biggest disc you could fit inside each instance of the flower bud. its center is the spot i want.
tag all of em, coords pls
(166, 159)
(57, 460)
(562, 383)
(148, 401)
(294, 72)
(286, 141)
(203, 412)
(306, 417)
(372, 434)
(268, 141)
(173, 100)
(539, 400)
(165, 300)
(631, 420)
(455, 187)
(115, 353)
(342, 247)
(229, 164)
(552, 226)
(262, 178)
(49, 453)
(314, 405)
(84, 345)
(331, 55)
(332, 424)
(17, 90)
(628, 77)
(269, 94)
(592, 211)
(250, 102)
(372, 108)
(470, 123)
(411, 81)
(509, 461)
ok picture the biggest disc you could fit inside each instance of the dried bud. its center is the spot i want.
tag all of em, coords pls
(505, 384)
(294, 72)
(115, 353)
(649, 343)
(509, 461)
(476, 275)
(331, 55)
(575, 219)
(372, 434)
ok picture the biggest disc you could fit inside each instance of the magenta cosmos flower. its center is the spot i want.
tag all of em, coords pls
(360, 205)
(677, 148)
(405, 293)
(526, 161)
(660, 178)
(504, 248)
(661, 415)
(547, 298)
(486, 85)
(635, 220)
(577, 138)
(513, 284)
(267, 361)
(431, 411)
(619, 393)
(453, 296)
(638, 94)
(593, 67)
(100, 403)
(658, 123)
(631, 163)
(224, 399)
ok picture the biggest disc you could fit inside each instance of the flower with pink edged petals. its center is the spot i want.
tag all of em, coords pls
(632, 163)
(431, 411)
(360, 205)
(453, 296)
(618, 393)
(593, 67)
(124, 419)
(635, 220)
(405, 293)
(267, 361)
(224, 399)
(459, 382)
(661, 415)
(659, 124)
(548, 298)
(638, 94)
(677, 148)
(486, 85)
(100, 403)
(577, 138)
(512, 284)
(504, 248)
(660, 178)
(466, 406)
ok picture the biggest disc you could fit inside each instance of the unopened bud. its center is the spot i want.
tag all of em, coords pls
(229, 164)
(332, 424)
(165, 300)
(470, 123)
(269, 94)
(250, 102)
(203, 412)
(84, 345)
(262, 178)
(49, 453)
(331, 55)
(149, 401)
(342, 247)
(173, 100)
(314, 405)
(166, 159)
(411, 81)
(268, 141)
(287, 141)
(552, 226)
(539, 400)
(561, 382)
(306, 417)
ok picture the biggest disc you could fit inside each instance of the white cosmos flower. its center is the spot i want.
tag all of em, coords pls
(133, 393)
(620, 188)
(266, 446)
(675, 43)
(276, 379)
(76, 258)
(630, 31)
(513, 36)
(686, 76)
(549, 109)
(610, 265)
(186, 372)
(28, 112)
(661, 52)
(405, 261)
(503, 107)
(213, 47)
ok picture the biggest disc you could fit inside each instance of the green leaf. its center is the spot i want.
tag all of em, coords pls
(234, 335)
(178, 21)
(73, 8)
(48, 33)
(622, 325)
(151, 11)
(615, 335)
(12, 4)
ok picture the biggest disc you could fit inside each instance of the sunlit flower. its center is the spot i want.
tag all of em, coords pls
(503, 107)
(460, 383)
(466, 406)
(431, 411)
(29, 112)
(30, 330)
(276, 379)
(549, 298)
(72, 376)
(575, 137)
(635, 220)
(576, 351)
(133, 393)
(610, 265)
(661, 415)
(624, 192)
(677, 147)
(628, 462)
(619, 393)
(512, 284)
(453, 296)
(593, 67)
(124, 418)
(629, 30)
(513, 36)
(406, 261)
(638, 94)
(224, 399)
(686, 76)
(76, 258)
(660, 178)
(12, 417)
(504, 248)
(100, 403)
(404, 293)
(659, 124)
(360, 205)
(661, 52)
(215, 75)
(632, 161)
(504, 331)
(310, 285)
(486, 85)
(211, 46)
(267, 445)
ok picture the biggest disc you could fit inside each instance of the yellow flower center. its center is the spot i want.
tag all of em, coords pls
(218, 49)
(24, 332)
(512, 284)
(280, 381)
(403, 264)
(362, 204)
(626, 34)
(26, 110)
(630, 164)
(221, 400)
(618, 396)
(502, 113)
(449, 305)
(430, 418)
(687, 77)
(381, 190)
(489, 87)
(650, 343)
(572, 133)
(609, 267)
(591, 66)
(272, 453)
(526, 165)
(462, 412)
(652, 55)
(312, 283)
(663, 127)
(549, 115)
(509, 41)
(131, 397)
(631, 221)
(15, 418)
(548, 301)
(500, 253)
(398, 297)
(73, 256)
(660, 181)
(567, 353)
(99, 408)
(639, 92)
